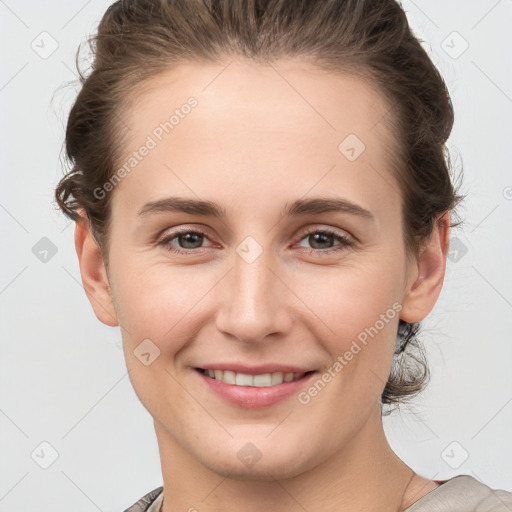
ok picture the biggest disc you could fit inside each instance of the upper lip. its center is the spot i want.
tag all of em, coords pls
(256, 370)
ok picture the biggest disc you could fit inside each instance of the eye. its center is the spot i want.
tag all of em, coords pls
(322, 240)
(187, 240)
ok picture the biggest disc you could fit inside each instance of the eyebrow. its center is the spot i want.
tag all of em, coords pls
(312, 206)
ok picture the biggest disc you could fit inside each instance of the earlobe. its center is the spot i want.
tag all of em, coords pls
(94, 276)
(422, 294)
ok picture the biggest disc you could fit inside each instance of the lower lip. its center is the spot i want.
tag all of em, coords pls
(251, 397)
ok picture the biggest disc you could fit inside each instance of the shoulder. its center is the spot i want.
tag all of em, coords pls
(463, 493)
(144, 504)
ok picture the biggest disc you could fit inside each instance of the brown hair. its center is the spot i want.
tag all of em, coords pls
(139, 39)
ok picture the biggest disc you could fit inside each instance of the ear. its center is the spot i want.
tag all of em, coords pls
(94, 275)
(427, 273)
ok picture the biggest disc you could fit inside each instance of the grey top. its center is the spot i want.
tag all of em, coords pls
(461, 493)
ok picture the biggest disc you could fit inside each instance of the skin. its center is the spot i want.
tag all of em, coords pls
(254, 142)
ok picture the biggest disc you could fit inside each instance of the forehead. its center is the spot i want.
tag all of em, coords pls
(263, 97)
(262, 126)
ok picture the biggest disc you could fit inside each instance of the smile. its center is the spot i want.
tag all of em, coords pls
(244, 379)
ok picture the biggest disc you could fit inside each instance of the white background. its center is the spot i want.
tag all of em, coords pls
(62, 374)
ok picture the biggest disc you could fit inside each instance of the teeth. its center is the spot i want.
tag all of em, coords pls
(288, 377)
(259, 381)
(242, 379)
(264, 379)
(276, 378)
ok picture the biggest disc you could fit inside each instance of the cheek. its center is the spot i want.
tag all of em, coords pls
(356, 313)
(166, 305)
(157, 304)
(352, 297)
(160, 302)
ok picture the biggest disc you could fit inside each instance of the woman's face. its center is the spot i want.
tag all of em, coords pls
(294, 262)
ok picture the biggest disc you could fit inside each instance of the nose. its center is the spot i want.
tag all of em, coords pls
(254, 302)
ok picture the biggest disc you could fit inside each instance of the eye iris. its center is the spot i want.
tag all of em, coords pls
(189, 238)
(314, 238)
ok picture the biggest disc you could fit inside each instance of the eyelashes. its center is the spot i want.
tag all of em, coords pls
(344, 240)
(167, 241)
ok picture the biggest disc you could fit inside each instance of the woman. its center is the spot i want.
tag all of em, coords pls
(262, 205)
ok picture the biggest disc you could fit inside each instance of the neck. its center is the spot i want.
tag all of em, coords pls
(364, 475)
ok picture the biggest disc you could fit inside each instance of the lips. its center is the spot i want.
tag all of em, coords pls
(264, 375)
(255, 387)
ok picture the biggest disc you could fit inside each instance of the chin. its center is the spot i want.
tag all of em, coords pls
(261, 471)
(246, 462)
